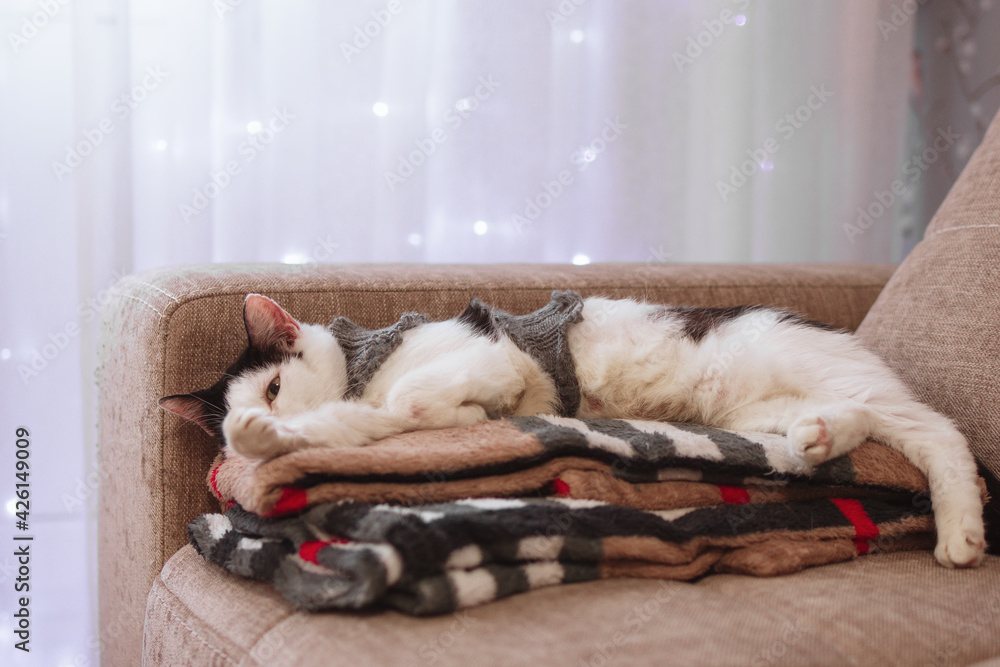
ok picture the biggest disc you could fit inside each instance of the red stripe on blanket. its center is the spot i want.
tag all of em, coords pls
(291, 500)
(560, 487)
(310, 550)
(865, 529)
(734, 495)
(211, 480)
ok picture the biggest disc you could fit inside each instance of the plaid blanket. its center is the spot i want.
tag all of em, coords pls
(434, 521)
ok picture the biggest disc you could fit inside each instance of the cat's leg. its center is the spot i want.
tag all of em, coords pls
(459, 389)
(258, 433)
(819, 431)
(932, 443)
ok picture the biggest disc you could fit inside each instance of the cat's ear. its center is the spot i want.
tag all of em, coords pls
(268, 325)
(189, 406)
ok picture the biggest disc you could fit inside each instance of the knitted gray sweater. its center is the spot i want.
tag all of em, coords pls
(541, 334)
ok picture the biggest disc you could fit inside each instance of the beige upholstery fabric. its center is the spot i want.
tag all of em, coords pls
(175, 330)
(938, 320)
(899, 609)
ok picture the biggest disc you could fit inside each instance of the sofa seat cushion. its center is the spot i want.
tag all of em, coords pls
(899, 608)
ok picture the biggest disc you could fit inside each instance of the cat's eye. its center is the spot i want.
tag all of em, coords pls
(272, 389)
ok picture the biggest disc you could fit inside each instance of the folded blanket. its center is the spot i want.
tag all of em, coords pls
(427, 522)
(616, 461)
(437, 558)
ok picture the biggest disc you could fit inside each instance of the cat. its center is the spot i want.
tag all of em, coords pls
(746, 368)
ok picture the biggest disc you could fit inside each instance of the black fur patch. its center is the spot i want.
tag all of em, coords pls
(214, 397)
(479, 317)
(798, 319)
(698, 322)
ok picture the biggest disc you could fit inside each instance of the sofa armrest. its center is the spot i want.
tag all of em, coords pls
(175, 330)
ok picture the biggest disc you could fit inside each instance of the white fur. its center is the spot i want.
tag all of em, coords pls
(822, 389)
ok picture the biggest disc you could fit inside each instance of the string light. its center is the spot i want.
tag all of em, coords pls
(161, 145)
(380, 109)
(581, 259)
(480, 227)
(576, 36)
(415, 239)
(740, 19)
(254, 127)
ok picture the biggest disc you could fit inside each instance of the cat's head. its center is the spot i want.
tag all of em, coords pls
(287, 368)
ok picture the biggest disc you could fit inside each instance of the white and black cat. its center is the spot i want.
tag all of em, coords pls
(744, 368)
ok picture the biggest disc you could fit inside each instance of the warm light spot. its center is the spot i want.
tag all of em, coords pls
(11, 506)
(380, 109)
(161, 145)
(576, 36)
(4, 354)
(295, 258)
(415, 239)
(480, 227)
(740, 19)
(254, 127)
(580, 259)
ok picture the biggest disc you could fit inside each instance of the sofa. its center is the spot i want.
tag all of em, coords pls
(935, 318)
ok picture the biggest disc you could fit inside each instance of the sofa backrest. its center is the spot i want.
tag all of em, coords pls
(937, 322)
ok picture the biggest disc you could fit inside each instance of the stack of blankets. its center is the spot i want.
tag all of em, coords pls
(434, 521)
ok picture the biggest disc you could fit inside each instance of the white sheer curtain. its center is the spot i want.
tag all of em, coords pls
(136, 134)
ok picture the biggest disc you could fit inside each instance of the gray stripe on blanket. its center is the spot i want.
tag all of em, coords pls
(835, 471)
(647, 446)
(736, 450)
(551, 435)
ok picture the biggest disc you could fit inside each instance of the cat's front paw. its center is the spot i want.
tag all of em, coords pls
(255, 433)
(961, 543)
(811, 439)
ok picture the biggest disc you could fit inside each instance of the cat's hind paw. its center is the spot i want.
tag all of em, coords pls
(811, 439)
(961, 544)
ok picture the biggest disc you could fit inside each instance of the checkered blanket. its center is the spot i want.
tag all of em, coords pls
(434, 521)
